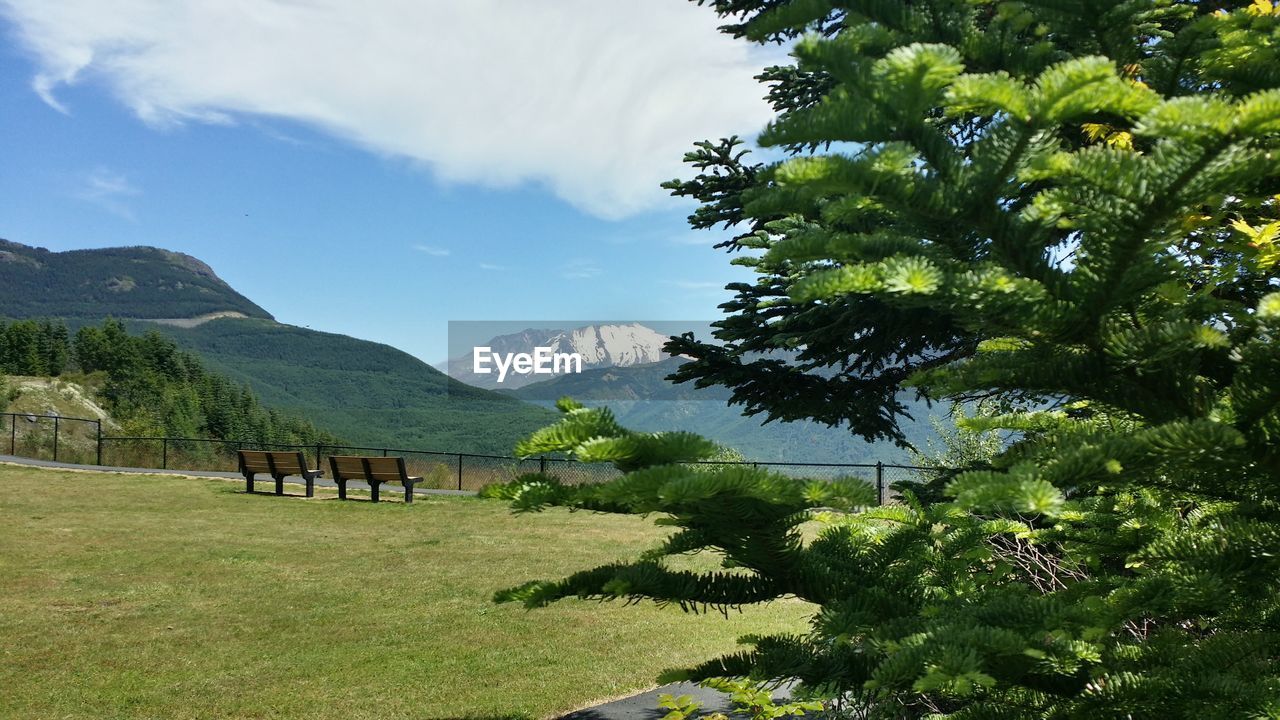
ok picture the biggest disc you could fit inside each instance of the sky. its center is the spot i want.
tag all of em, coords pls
(381, 168)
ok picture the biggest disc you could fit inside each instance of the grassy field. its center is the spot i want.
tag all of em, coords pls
(138, 596)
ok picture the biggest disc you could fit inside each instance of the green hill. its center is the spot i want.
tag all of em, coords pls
(129, 282)
(368, 393)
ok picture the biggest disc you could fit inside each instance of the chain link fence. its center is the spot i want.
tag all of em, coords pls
(80, 441)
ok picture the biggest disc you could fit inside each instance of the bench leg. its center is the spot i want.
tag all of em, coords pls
(373, 490)
(342, 489)
(311, 487)
(408, 492)
(248, 482)
(280, 485)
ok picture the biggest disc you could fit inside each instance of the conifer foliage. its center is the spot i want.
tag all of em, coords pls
(1068, 207)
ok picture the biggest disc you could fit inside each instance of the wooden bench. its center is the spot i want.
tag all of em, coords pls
(373, 470)
(278, 465)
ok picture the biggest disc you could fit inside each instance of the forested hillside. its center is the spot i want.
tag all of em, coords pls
(149, 384)
(131, 282)
(369, 393)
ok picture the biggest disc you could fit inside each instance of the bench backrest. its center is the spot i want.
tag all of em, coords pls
(283, 463)
(355, 467)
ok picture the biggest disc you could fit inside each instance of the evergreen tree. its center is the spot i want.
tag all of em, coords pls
(54, 346)
(89, 349)
(1069, 208)
(23, 349)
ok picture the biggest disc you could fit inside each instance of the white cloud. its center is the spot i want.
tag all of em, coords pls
(108, 190)
(491, 266)
(432, 250)
(595, 99)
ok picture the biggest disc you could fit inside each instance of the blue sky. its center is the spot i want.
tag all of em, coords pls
(380, 176)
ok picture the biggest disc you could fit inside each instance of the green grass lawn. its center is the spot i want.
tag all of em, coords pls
(144, 596)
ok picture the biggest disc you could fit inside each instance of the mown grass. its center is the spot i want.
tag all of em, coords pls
(140, 596)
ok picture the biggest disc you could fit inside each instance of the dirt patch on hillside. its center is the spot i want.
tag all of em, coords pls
(196, 321)
(52, 396)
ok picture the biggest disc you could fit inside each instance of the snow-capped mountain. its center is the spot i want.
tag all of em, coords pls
(599, 346)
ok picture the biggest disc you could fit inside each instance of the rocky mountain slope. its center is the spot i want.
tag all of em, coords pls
(599, 346)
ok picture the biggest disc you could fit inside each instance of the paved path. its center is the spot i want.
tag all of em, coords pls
(262, 482)
(645, 705)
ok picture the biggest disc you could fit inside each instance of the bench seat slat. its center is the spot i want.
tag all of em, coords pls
(348, 465)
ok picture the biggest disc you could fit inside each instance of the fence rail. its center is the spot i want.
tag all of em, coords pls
(80, 440)
(69, 439)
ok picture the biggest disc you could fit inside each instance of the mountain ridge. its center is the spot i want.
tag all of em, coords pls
(124, 282)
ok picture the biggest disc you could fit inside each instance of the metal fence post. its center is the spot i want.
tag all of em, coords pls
(459, 471)
(879, 483)
(13, 434)
(542, 465)
(317, 456)
(55, 438)
(164, 454)
(99, 442)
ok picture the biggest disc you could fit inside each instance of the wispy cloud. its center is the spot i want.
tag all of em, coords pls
(43, 86)
(432, 250)
(580, 270)
(594, 100)
(108, 190)
(491, 266)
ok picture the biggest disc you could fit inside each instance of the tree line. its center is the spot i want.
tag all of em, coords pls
(149, 384)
